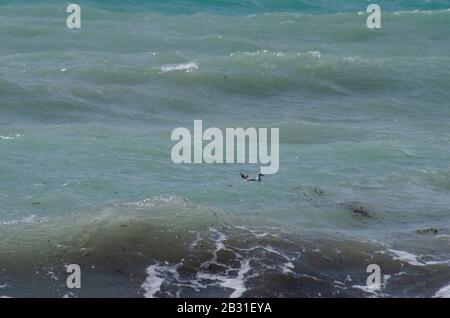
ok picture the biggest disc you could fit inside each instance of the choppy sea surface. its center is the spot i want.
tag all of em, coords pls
(86, 175)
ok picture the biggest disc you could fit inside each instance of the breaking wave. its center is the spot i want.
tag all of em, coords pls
(168, 246)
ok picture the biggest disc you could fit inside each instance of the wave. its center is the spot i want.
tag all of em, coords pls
(239, 7)
(444, 292)
(187, 67)
(10, 137)
(162, 274)
(101, 233)
(132, 70)
(168, 246)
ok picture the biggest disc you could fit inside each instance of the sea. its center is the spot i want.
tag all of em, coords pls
(86, 175)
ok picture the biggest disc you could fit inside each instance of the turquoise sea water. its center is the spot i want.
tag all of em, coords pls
(86, 175)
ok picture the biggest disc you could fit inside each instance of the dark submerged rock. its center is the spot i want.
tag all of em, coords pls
(430, 231)
(357, 209)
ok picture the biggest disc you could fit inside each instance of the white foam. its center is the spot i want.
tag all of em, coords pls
(406, 257)
(339, 284)
(158, 274)
(10, 137)
(155, 279)
(52, 275)
(425, 12)
(236, 283)
(188, 67)
(258, 53)
(368, 289)
(287, 267)
(315, 54)
(256, 233)
(154, 201)
(311, 277)
(31, 219)
(444, 292)
(437, 262)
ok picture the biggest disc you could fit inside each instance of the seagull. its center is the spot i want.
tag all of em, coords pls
(248, 179)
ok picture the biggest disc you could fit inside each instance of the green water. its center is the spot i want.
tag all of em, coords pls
(85, 123)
